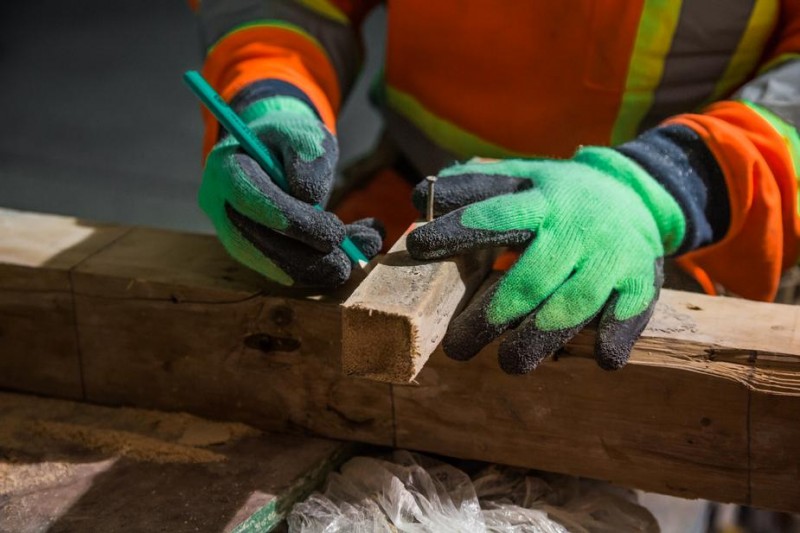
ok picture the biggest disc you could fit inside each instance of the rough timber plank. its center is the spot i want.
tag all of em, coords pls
(706, 408)
(398, 315)
(775, 434)
(221, 342)
(76, 467)
(36, 255)
(660, 427)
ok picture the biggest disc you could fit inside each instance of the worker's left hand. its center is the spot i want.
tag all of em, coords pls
(595, 228)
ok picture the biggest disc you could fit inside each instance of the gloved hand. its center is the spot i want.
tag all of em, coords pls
(276, 233)
(595, 227)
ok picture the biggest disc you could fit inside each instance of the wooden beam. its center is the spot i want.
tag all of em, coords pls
(398, 315)
(224, 341)
(686, 416)
(37, 253)
(707, 407)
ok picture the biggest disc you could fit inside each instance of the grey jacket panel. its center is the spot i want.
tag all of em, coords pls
(778, 90)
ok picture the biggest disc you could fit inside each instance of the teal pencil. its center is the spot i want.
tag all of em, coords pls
(253, 146)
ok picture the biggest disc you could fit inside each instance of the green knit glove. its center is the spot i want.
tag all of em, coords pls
(595, 227)
(276, 233)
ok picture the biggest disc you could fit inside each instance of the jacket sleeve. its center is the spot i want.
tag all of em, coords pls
(310, 46)
(754, 139)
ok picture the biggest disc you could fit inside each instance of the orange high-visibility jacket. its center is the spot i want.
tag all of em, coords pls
(496, 78)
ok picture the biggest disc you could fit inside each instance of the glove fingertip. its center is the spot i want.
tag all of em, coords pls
(472, 330)
(311, 178)
(612, 355)
(440, 238)
(456, 347)
(327, 272)
(527, 346)
(615, 338)
(330, 233)
(418, 243)
(338, 273)
(419, 196)
(367, 235)
(515, 360)
(463, 339)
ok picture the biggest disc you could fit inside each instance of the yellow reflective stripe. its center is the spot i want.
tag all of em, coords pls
(759, 29)
(779, 60)
(441, 131)
(653, 40)
(784, 129)
(326, 9)
(787, 132)
(272, 24)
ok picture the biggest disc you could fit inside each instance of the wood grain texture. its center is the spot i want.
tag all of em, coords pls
(707, 407)
(399, 314)
(38, 343)
(775, 431)
(224, 343)
(710, 392)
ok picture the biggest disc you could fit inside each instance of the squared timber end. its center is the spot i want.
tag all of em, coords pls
(398, 315)
(373, 342)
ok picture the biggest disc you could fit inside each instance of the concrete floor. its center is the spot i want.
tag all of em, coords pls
(96, 121)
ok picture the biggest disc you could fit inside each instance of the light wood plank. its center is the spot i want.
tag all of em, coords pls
(398, 315)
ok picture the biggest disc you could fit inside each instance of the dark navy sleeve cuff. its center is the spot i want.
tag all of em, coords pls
(267, 88)
(680, 161)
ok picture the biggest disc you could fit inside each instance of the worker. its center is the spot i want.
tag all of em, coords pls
(596, 137)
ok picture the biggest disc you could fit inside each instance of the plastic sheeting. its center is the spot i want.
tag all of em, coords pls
(412, 493)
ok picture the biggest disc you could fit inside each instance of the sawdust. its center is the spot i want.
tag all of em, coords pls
(32, 476)
(125, 444)
(38, 426)
(18, 476)
(204, 433)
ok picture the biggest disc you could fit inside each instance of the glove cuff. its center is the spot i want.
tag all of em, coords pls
(677, 158)
(666, 212)
(248, 102)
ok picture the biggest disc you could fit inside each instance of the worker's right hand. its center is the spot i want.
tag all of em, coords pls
(279, 234)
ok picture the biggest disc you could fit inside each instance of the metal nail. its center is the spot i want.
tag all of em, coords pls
(431, 186)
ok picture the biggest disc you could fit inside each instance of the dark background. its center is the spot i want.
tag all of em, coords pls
(95, 120)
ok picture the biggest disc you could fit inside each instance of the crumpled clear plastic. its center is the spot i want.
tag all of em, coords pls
(412, 493)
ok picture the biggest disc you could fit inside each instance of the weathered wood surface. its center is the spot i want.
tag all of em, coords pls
(70, 466)
(708, 406)
(37, 316)
(398, 315)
